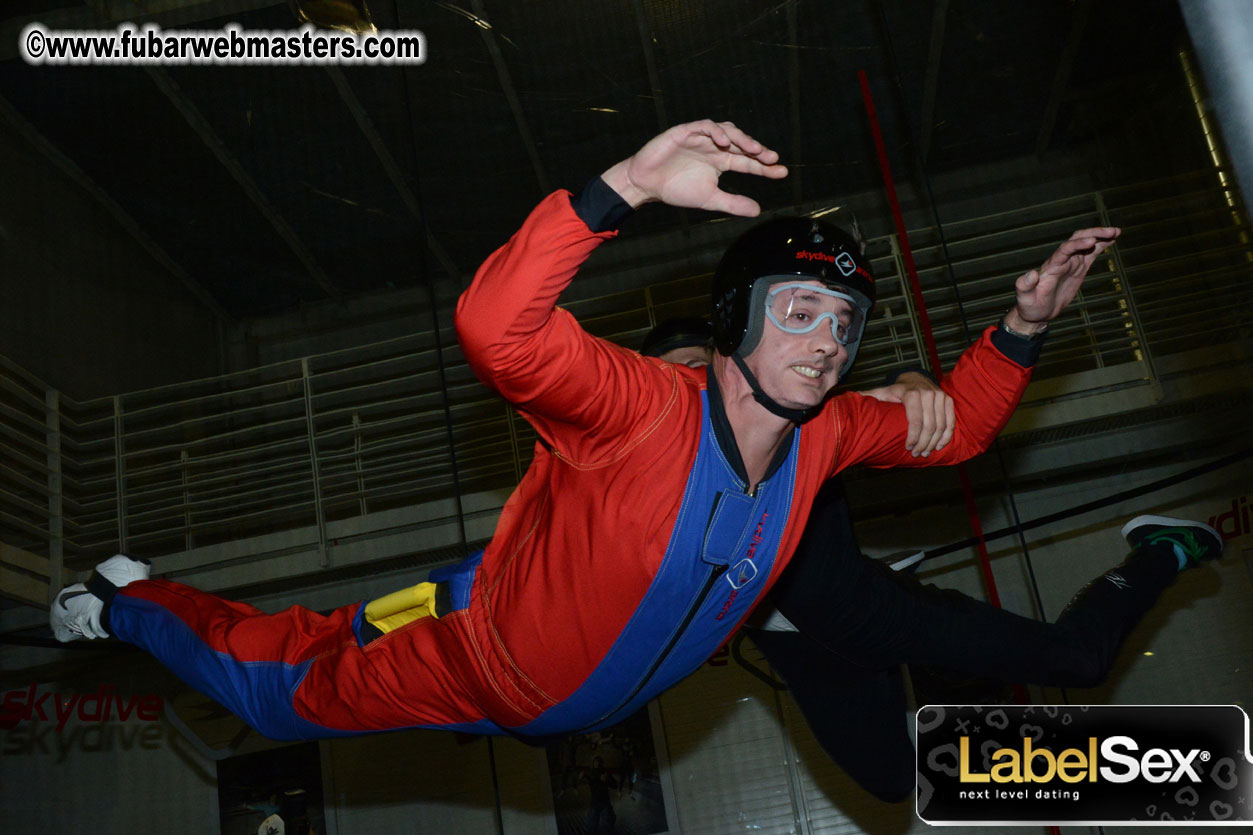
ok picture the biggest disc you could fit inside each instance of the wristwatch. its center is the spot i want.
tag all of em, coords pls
(1038, 335)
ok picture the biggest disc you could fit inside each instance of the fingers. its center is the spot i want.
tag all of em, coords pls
(723, 134)
(950, 422)
(1073, 246)
(931, 419)
(1101, 246)
(1027, 282)
(682, 166)
(915, 420)
(732, 204)
(927, 437)
(929, 414)
(1101, 232)
(727, 137)
(744, 155)
(758, 166)
(1042, 294)
(1090, 241)
(738, 140)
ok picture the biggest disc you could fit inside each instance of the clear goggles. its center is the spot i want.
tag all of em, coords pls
(799, 308)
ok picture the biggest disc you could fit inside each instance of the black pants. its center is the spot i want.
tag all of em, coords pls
(859, 621)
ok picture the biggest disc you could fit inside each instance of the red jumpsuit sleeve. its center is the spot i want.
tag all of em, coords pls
(985, 386)
(582, 394)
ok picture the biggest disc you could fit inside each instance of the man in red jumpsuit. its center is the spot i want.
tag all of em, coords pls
(662, 502)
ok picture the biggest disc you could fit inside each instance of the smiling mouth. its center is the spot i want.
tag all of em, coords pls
(807, 372)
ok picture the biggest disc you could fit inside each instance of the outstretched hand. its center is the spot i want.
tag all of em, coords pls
(1044, 293)
(681, 168)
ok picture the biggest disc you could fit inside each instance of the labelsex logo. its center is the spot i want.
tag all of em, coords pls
(1039, 765)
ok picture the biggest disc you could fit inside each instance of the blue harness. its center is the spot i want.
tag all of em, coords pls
(720, 553)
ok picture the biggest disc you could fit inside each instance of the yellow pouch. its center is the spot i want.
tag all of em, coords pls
(400, 607)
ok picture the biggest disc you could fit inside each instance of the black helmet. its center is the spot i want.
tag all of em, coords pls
(681, 332)
(779, 249)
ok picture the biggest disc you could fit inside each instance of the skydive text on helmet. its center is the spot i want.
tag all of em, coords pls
(842, 260)
(806, 255)
(1039, 765)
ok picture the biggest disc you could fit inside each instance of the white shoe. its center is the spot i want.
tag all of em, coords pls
(76, 611)
(904, 561)
(123, 569)
(76, 614)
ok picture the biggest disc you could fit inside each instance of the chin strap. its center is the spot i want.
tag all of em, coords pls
(794, 415)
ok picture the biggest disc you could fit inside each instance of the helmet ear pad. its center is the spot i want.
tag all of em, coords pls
(679, 332)
(756, 316)
(730, 317)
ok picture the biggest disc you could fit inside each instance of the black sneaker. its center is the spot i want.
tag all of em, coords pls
(1194, 541)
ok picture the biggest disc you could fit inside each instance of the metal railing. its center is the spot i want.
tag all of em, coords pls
(314, 443)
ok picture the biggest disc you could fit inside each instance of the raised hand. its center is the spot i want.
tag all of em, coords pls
(681, 167)
(1042, 294)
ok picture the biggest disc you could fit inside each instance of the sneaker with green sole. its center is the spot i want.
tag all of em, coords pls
(1191, 541)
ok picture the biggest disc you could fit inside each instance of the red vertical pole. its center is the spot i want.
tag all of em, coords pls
(985, 564)
(924, 320)
(898, 218)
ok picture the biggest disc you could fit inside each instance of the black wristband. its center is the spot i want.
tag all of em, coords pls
(600, 207)
(1022, 349)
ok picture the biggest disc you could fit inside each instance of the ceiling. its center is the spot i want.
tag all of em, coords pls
(272, 187)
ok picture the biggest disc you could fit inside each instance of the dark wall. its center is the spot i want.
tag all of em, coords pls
(83, 305)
